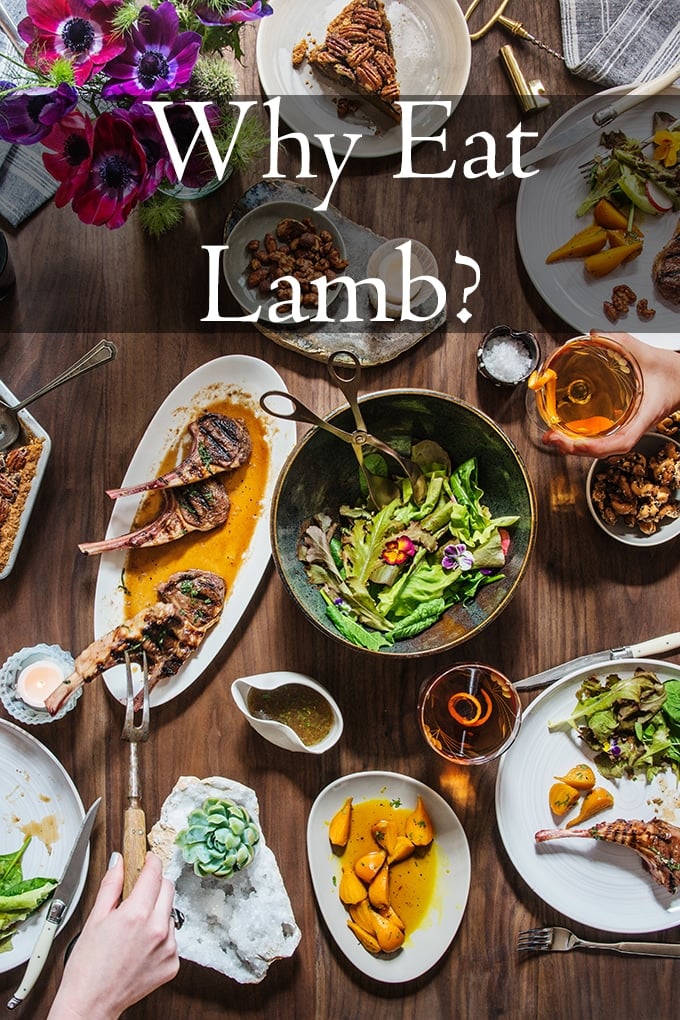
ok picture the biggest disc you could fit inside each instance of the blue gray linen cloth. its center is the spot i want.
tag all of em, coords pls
(617, 42)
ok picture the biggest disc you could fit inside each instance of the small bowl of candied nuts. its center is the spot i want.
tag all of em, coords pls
(635, 497)
(274, 244)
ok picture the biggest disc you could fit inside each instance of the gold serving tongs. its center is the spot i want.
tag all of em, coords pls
(381, 490)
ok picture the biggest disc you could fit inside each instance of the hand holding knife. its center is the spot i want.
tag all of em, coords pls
(62, 898)
(655, 646)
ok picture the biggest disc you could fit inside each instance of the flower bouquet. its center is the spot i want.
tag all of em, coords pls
(82, 86)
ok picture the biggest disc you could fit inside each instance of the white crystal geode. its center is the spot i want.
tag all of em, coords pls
(238, 925)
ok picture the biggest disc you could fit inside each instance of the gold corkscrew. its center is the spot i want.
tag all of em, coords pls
(515, 28)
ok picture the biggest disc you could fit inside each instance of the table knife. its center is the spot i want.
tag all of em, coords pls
(61, 899)
(655, 646)
(591, 123)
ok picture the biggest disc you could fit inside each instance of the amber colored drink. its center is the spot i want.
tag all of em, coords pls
(469, 714)
(587, 387)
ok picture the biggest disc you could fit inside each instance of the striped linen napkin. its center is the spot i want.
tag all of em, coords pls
(616, 42)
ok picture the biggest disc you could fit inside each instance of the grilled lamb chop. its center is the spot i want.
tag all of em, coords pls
(666, 269)
(657, 843)
(168, 631)
(199, 507)
(219, 444)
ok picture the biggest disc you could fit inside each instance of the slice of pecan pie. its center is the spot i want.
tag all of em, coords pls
(357, 55)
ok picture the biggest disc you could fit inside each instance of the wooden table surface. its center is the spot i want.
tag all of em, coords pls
(581, 592)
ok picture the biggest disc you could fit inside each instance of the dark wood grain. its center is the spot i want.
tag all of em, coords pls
(581, 591)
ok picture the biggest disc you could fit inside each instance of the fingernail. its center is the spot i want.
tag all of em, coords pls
(113, 859)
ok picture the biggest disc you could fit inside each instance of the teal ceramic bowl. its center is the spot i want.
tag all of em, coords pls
(321, 473)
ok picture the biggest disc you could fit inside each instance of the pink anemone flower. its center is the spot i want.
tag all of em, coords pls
(73, 29)
(116, 174)
(69, 161)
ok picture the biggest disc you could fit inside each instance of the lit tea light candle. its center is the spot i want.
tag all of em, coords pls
(36, 682)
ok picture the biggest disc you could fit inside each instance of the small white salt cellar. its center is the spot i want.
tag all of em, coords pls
(507, 357)
(28, 678)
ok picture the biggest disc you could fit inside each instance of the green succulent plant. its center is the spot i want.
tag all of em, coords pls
(220, 838)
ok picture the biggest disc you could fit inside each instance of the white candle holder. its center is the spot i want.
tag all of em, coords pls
(9, 674)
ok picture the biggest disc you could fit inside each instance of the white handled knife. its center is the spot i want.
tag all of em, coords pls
(655, 646)
(61, 899)
(591, 123)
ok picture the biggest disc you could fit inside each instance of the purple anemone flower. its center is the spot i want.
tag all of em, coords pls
(28, 115)
(235, 13)
(76, 30)
(69, 161)
(182, 122)
(115, 177)
(148, 134)
(157, 57)
(457, 556)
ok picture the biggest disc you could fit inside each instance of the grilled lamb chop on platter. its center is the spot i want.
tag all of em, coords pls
(656, 842)
(191, 602)
(666, 269)
(219, 444)
(201, 506)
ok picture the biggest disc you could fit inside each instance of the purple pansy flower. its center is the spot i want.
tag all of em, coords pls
(74, 29)
(69, 161)
(457, 556)
(236, 12)
(28, 115)
(115, 176)
(157, 57)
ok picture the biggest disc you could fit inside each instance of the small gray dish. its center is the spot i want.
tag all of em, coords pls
(9, 674)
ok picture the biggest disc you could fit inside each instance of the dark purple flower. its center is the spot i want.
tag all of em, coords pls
(157, 56)
(75, 29)
(235, 12)
(69, 161)
(148, 134)
(28, 115)
(115, 176)
(183, 124)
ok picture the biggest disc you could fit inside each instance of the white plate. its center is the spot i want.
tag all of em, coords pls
(244, 378)
(595, 883)
(38, 431)
(35, 788)
(432, 51)
(546, 217)
(424, 946)
(261, 220)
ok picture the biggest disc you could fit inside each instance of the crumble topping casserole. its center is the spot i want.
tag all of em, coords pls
(357, 54)
(17, 471)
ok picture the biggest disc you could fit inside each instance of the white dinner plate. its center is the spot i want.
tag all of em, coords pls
(245, 379)
(424, 946)
(546, 218)
(595, 883)
(37, 796)
(432, 52)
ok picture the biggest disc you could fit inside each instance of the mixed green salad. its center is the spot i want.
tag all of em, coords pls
(387, 574)
(19, 896)
(632, 723)
(649, 181)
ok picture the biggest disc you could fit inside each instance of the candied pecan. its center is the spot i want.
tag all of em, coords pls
(359, 54)
(369, 76)
(644, 311)
(610, 311)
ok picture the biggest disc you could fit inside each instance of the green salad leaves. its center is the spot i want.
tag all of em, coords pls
(632, 723)
(388, 574)
(19, 897)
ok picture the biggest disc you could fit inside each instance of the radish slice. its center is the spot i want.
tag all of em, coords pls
(657, 197)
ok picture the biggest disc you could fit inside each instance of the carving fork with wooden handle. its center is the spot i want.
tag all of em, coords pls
(134, 831)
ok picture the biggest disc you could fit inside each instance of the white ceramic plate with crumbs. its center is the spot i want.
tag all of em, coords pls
(38, 798)
(29, 423)
(237, 378)
(595, 883)
(432, 51)
(425, 945)
(546, 218)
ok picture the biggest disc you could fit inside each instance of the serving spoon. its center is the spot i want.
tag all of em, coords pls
(9, 423)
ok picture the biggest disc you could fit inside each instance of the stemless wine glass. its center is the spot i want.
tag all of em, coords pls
(469, 713)
(590, 386)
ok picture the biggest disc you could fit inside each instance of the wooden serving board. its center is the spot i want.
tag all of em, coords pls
(373, 343)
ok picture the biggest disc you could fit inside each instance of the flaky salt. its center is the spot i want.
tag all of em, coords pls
(507, 359)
